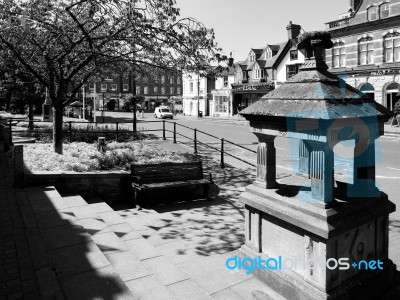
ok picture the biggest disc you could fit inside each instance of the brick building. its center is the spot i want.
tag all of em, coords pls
(366, 52)
(157, 88)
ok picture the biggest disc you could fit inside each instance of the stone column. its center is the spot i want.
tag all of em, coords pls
(304, 156)
(266, 162)
(364, 170)
(321, 171)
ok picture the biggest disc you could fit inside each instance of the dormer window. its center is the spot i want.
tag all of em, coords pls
(384, 10)
(372, 13)
(268, 54)
(252, 57)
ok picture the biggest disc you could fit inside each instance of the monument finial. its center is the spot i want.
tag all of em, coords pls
(313, 44)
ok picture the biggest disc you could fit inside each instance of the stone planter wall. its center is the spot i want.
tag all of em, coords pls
(109, 185)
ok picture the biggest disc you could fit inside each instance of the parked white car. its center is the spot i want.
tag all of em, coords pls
(163, 112)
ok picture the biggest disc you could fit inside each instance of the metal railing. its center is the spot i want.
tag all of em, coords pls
(70, 130)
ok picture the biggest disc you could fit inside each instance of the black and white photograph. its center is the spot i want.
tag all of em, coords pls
(199, 150)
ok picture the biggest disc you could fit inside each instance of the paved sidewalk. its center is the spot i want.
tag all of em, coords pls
(17, 276)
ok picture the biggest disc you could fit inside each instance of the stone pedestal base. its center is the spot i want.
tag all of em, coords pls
(308, 234)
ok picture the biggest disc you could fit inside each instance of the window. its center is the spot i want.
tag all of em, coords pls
(291, 70)
(104, 86)
(293, 55)
(384, 10)
(162, 79)
(365, 52)
(225, 81)
(178, 80)
(91, 86)
(162, 90)
(171, 90)
(252, 57)
(113, 87)
(171, 79)
(178, 90)
(146, 90)
(145, 79)
(138, 90)
(372, 13)
(155, 90)
(125, 87)
(268, 54)
(392, 47)
(339, 56)
(191, 87)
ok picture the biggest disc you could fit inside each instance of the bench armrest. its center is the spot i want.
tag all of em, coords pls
(136, 182)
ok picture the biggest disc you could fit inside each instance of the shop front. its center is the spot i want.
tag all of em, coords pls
(244, 95)
(221, 106)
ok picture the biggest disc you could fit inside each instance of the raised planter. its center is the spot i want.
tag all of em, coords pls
(109, 185)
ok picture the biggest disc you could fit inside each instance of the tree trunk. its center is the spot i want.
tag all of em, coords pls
(57, 128)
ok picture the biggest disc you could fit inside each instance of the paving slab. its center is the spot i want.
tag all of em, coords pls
(79, 258)
(125, 232)
(52, 218)
(188, 289)
(94, 225)
(109, 242)
(227, 294)
(166, 272)
(73, 201)
(101, 283)
(100, 207)
(111, 217)
(62, 236)
(149, 288)
(128, 265)
(142, 248)
(255, 289)
(43, 192)
(137, 223)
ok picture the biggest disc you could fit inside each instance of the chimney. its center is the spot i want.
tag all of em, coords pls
(354, 4)
(230, 61)
(293, 31)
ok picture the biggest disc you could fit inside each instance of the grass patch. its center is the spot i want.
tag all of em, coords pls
(84, 157)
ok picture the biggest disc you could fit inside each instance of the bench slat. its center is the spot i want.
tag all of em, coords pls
(175, 184)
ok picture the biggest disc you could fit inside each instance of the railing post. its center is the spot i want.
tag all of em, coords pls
(163, 133)
(70, 131)
(195, 140)
(10, 142)
(174, 132)
(117, 131)
(222, 154)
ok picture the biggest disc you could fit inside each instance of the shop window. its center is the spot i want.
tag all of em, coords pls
(293, 54)
(338, 56)
(392, 95)
(365, 52)
(171, 90)
(113, 87)
(384, 10)
(104, 87)
(178, 90)
(368, 89)
(146, 90)
(221, 104)
(372, 13)
(392, 47)
(155, 89)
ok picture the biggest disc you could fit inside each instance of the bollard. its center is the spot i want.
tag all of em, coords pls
(18, 165)
(195, 140)
(222, 154)
(101, 144)
(174, 132)
(163, 130)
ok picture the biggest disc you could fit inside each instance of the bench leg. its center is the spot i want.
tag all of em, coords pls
(206, 188)
(136, 199)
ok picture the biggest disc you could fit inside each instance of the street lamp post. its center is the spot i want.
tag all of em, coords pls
(198, 94)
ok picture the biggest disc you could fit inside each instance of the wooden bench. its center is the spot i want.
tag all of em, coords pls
(167, 175)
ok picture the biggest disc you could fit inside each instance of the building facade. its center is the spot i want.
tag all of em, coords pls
(366, 51)
(156, 88)
(197, 97)
(222, 98)
(266, 68)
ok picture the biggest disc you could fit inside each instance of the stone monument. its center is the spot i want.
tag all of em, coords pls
(46, 108)
(328, 239)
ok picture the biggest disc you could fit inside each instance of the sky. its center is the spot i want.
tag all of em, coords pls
(240, 25)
